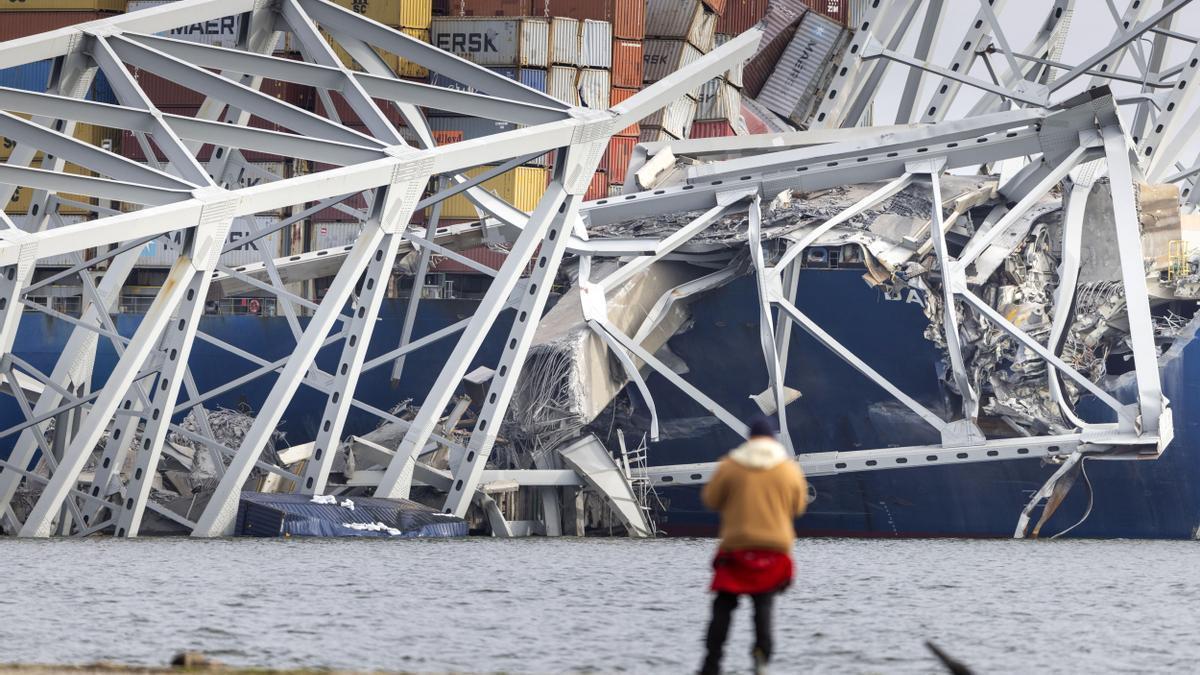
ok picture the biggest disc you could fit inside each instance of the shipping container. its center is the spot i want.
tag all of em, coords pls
(166, 93)
(703, 31)
(249, 176)
(347, 115)
(493, 258)
(471, 127)
(617, 95)
(489, 8)
(791, 89)
(711, 129)
(598, 188)
(718, 100)
(101, 137)
(676, 118)
(334, 234)
(617, 157)
(522, 187)
(560, 83)
(21, 24)
(7, 6)
(672, 19)
(838, 10)
(595, 44)
(252, 252)
(402, 67)
(30, 77)
(740, 16)
(102, 91)
(734, 74)
(495, 42)
(653, 134)
(716, 6)
(759, 68)
(564, 41)
(628, 17)
(22, 196)
(221, 32)
(781, 15)
(663, 57)
(161, 252)
(594, 87)
(628, 58)
(405, 13)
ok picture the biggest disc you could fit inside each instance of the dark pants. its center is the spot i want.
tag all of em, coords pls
(718, 628)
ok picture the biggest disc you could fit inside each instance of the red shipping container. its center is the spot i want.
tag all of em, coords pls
(616, 158)
(711, 129)
(164, 92)
(838, 10)
(617, 95)
(627, 63)
(22, 24)
(759, 68)
(717, 6)
(628, 17)
(347, 115)
(598, 189)
(740, 16)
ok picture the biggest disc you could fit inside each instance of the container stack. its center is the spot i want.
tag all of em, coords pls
(678, 33)
(30, 17)
(411, 17)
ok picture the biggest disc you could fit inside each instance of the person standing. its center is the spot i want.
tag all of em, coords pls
(758, 489)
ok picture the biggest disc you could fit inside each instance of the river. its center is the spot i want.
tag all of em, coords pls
(596, 605)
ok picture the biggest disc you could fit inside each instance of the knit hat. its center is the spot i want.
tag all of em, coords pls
(762, 426)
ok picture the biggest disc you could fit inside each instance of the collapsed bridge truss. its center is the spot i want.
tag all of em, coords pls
(1032, 139)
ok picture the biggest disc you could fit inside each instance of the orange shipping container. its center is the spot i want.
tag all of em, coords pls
(617, 95)
(628, 17)
(627, 63)
(598, 189)
(711, 129)
(616, 158)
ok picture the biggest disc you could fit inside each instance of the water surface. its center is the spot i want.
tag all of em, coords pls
(596, 605)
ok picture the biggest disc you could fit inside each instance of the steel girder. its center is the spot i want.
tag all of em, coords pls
(197, 204)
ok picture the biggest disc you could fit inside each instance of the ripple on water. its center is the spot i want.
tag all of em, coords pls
(595, 606)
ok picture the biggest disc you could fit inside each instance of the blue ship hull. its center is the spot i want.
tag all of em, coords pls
(840, 410)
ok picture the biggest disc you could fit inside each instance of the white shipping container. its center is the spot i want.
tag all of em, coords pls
(649, 134)
(809, 57)
(253, 174)
(676, 118)
(672, 18)
(564, 41)
(595, 88)
(251, 252)
(560, 83)
(595, 38)
(718, 100)
(330, 235)
(703, 32)
(222, 32)
(494, 41)
(734, 74)
(660, 58)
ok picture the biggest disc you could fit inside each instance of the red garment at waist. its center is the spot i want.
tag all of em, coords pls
(751, 571)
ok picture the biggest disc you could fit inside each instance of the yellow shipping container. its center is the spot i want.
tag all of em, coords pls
(19, 204)
(403, 67)
(101, 137)
(62, 5)
(406, 13)
(522, 187)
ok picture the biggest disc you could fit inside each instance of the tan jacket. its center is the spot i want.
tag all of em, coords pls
(759, 490)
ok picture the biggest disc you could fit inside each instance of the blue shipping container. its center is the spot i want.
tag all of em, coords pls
(31, 76)
(102, 91)
(534, 78)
